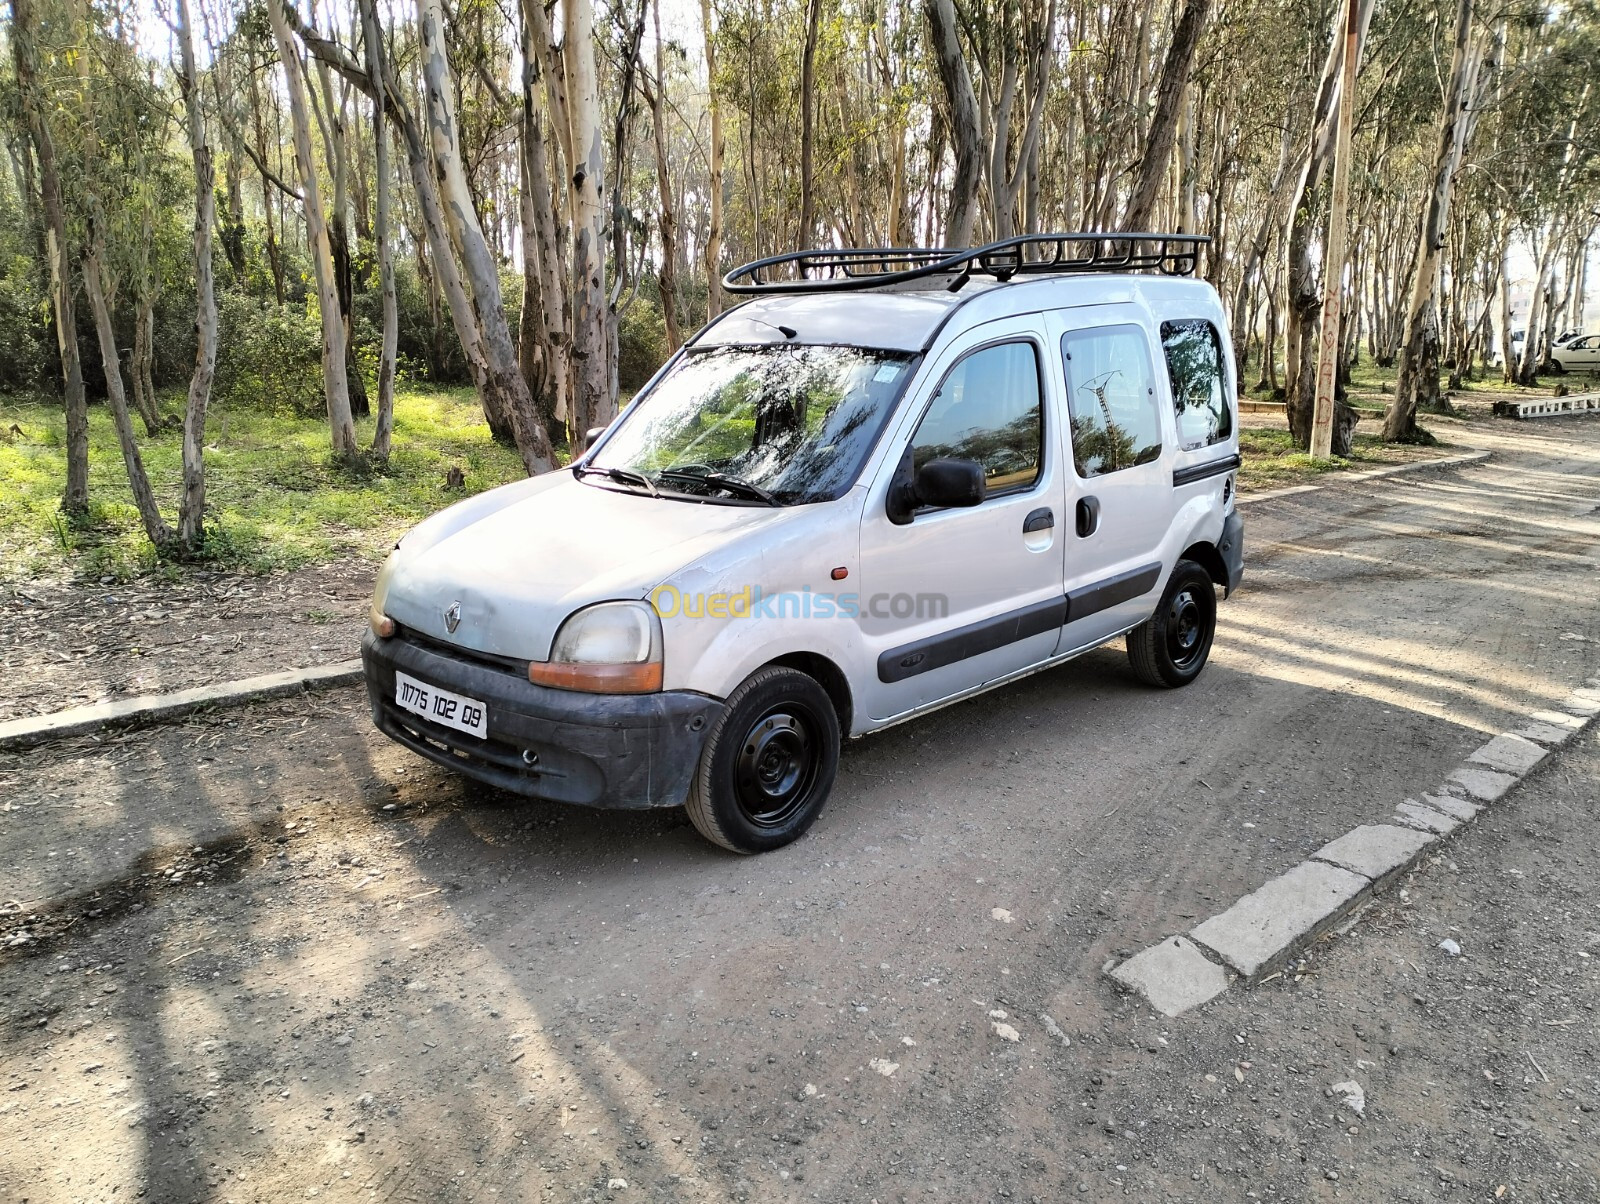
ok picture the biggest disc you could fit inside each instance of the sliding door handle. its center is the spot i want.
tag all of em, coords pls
(1088, 516)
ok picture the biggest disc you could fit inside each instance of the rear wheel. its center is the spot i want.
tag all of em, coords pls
(768, 765)
(1171, 647)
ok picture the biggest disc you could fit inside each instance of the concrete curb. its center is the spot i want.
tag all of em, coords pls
(1341, 478)
(158, 708)
(1266, 928)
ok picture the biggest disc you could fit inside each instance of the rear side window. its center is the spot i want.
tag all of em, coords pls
(1112, 400)
(988, 409)
(1199, 382)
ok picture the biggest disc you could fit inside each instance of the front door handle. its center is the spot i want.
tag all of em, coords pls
(1088, 516)
(1042, 519)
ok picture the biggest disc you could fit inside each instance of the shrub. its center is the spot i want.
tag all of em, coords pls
(269, 357)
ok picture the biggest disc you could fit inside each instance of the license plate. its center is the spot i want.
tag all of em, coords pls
(441, 706)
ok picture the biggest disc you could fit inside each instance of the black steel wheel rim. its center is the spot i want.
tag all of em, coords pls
(1186, 629)
(776, 770)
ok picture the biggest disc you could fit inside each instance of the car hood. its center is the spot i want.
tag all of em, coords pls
(519, 559)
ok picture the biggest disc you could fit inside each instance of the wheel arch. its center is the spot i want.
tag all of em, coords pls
(1205, 554)
(829, 676)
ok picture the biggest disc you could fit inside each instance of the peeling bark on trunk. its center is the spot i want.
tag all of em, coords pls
(340, 422)
(1303, 301)
(966, 133)
(667, 273)
(713, 249)
(191, 509)
(503, 387)
(75, 497)
(542, 255)
(1417, 377)
(382, 435)
(808, 117)
(594, 404)
(1153, 165)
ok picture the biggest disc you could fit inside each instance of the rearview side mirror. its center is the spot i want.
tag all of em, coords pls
(946, 483)
(593, 433)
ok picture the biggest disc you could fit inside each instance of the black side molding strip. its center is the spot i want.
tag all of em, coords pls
(1113, 591)
(1191, 473)
(937, 651)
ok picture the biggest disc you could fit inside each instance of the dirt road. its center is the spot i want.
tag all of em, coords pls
(373, 982)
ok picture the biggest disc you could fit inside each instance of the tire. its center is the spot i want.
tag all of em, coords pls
(769, 763)
(1558, 367)
(1170, 648)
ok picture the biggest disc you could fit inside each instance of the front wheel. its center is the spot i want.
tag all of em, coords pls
(769, 763)
(1170, 647)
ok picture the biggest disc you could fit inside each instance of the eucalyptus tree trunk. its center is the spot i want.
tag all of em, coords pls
(667, 273)
(191, 509)
(1153, 165)
(542, 252)
(1302, 301)
(1417, 376)
(594, 404)
(713, 247)
(340, 422)
(75, 497)
(808, 119)
(95, 287)
(383, 431)
(335, 140)
(503, 387)
(966, 132)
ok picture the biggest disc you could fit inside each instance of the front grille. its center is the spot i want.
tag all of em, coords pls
(489, 660)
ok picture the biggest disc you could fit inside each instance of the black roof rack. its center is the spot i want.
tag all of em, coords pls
(851, 268)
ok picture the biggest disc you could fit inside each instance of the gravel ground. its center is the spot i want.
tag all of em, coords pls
(65, 643)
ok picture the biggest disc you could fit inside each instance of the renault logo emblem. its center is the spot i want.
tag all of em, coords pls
(452, 618)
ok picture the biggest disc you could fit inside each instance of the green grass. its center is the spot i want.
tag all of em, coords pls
(1271, 460)
(275, 497)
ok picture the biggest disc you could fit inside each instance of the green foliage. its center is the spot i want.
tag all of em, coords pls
(26, 349)
(269, 357)
(641, 344)
(276, 498)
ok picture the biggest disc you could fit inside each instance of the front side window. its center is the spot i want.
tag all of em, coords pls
(792, 424)
(989, 409)
(1199, 384)
(1112, 400)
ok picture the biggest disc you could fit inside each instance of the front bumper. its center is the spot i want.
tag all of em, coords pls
(1232, 549)
(602, 750)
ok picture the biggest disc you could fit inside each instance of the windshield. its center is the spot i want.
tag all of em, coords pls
(768, 425)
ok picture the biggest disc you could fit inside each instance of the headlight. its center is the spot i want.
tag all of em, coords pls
(382, 625)
(610, 648)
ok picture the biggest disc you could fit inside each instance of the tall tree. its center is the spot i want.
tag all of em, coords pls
(1155, 163)
(713, 241)
(24, 46)
(593, 403)
(1417, 377)
(341, 422)
(372, 43)
(191, 509)
(966, 134)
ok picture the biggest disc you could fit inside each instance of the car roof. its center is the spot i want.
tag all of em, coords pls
(892, 319)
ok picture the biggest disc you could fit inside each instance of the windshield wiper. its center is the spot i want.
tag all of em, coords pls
(729, 484)
(623, 476)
